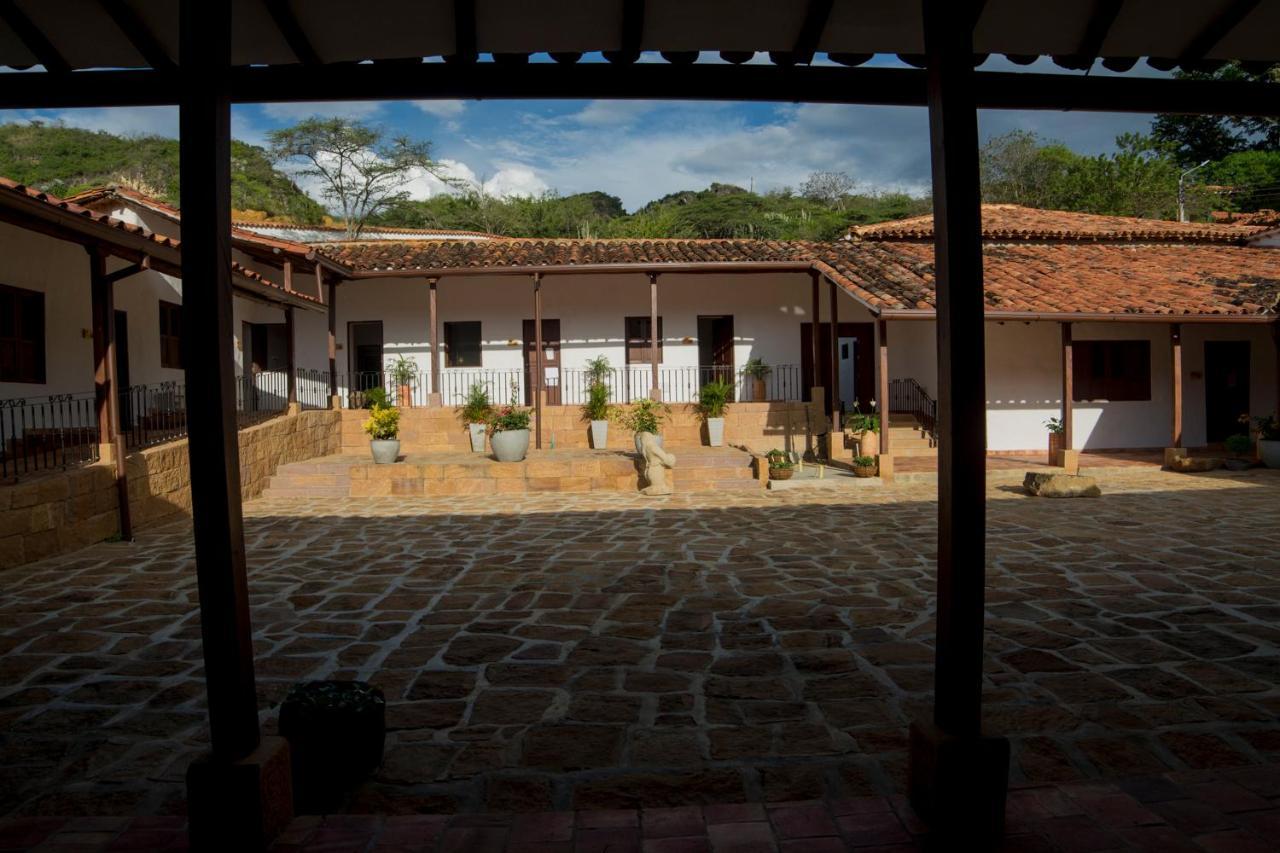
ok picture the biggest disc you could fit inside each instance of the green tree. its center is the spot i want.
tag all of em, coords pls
(1193, 139)
(361, 169)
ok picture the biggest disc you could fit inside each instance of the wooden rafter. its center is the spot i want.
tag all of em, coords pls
(632, 33)
(464, 32)
(1100, 23)
(139, 35)
(815, 21)
(35, 40)
(292, 31)
(1217, 29)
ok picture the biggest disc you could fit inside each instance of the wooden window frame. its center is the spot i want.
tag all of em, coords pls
(170, 341)
(36, 371)
(450, 355)
(1113, 371)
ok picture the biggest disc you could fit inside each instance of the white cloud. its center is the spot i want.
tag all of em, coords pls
(515, 180)
(353, 110)
(612, 113)
(442, 109)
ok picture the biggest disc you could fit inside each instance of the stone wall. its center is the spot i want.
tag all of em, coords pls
(61, 511)
(757, 426)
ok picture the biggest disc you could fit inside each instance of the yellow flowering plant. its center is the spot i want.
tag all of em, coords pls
(383, 423)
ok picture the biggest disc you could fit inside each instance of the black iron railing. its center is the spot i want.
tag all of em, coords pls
(44, 433)
(906, 396)
(313, 388)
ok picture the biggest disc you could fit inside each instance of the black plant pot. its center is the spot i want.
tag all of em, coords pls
(336, 731)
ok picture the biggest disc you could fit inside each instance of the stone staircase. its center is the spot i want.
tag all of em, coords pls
(908, 438)
(459, 473)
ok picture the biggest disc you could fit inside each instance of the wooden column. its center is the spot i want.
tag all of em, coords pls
(834, 393)
(882, 377)
(1068, 390)
(1175, 370)
(106, 388)
(539, 371)
(331, 297)
(433, 319)
(291, 334)
(958, 776)
(816, 343)
(655, 344)
(205, 150)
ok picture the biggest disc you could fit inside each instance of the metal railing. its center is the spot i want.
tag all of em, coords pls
(55, 432)
(313, 388)
(907, 396)
(626, 384)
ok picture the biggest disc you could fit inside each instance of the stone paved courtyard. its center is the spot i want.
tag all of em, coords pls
(612, 651)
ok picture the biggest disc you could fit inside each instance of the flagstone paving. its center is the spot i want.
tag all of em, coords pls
(604, 651)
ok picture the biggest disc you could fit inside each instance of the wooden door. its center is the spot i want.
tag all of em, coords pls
(550, 361)
(863, 335)
(715, 348)
(639, 338)
(1226, 388)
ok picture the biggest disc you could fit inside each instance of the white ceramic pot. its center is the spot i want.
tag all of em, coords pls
(599, 434)
(1269, 451)
(385, 452)
(477, 437)
(656, 437)
(715, 432)
(510, 445)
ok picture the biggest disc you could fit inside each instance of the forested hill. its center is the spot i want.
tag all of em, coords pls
(65, 160)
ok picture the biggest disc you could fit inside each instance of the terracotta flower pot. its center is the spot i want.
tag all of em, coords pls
(758, 392)
(404, 396)
(869, 443)
(1055, 445)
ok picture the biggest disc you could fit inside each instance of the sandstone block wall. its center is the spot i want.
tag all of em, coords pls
(757, 426)
(62, 511)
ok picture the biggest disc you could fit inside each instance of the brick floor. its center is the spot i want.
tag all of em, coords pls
(609, 652)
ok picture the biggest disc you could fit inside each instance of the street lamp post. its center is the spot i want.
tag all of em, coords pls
(1182, 190)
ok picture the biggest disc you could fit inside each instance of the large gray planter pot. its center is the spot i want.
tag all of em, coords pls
(1270, 453)
(599, 434)
(510, 445)
(715, 432)
(385, 451)
(477, 437)
(639, 448)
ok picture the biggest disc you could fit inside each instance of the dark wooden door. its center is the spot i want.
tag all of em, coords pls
(715, 348)
(550, 361)
(864, 360)
(1226, 388)
(122, 371)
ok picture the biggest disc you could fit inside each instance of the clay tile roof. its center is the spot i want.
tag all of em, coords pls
(1167, 279)
(1014, 223)
(333, 233)
(107, 221)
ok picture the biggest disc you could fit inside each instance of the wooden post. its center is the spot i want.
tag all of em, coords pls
(288, 276)
(205, 150)
(882, 377)
(1068, 390)
(816, 342)
(834, 393)
(433, 318)
(106, 388)
(958, 776)
(655, 386)
(1175, 344)
(332, 299)
(291, 349)
(537, 358)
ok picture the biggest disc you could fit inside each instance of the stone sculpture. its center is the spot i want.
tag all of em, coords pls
(656, 463)
(1052, 485)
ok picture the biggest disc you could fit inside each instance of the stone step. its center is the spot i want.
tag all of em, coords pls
(914, 451)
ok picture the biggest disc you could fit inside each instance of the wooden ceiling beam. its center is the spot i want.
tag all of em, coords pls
(1217, 29)
(139, 35)
(806, 45)
(632, 33)
(1100, 23)
(287, 23)
(34, 40)
(464, 33)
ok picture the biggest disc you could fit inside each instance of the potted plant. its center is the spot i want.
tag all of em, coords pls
(336, 732)
(758, 372)
(645, 415)
(383, 428)
(1268, 429)
(403, 371)
(1057, 438)
(864, 466)
(864, 428)
(780, 465)
(1239, 446)
(509, 430)
(597, 409)
(475, 413)
(713, 402)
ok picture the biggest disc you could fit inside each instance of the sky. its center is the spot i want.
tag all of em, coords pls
(641, 150)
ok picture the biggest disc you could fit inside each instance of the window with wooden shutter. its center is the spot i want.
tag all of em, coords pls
(21, 335)
(1114, 371)
(640, 340)
(170, 335)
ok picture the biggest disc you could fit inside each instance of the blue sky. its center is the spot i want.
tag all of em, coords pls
(640, 150)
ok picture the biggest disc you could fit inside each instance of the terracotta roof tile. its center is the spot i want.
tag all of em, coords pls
(1105, 277)
(1013, 222)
